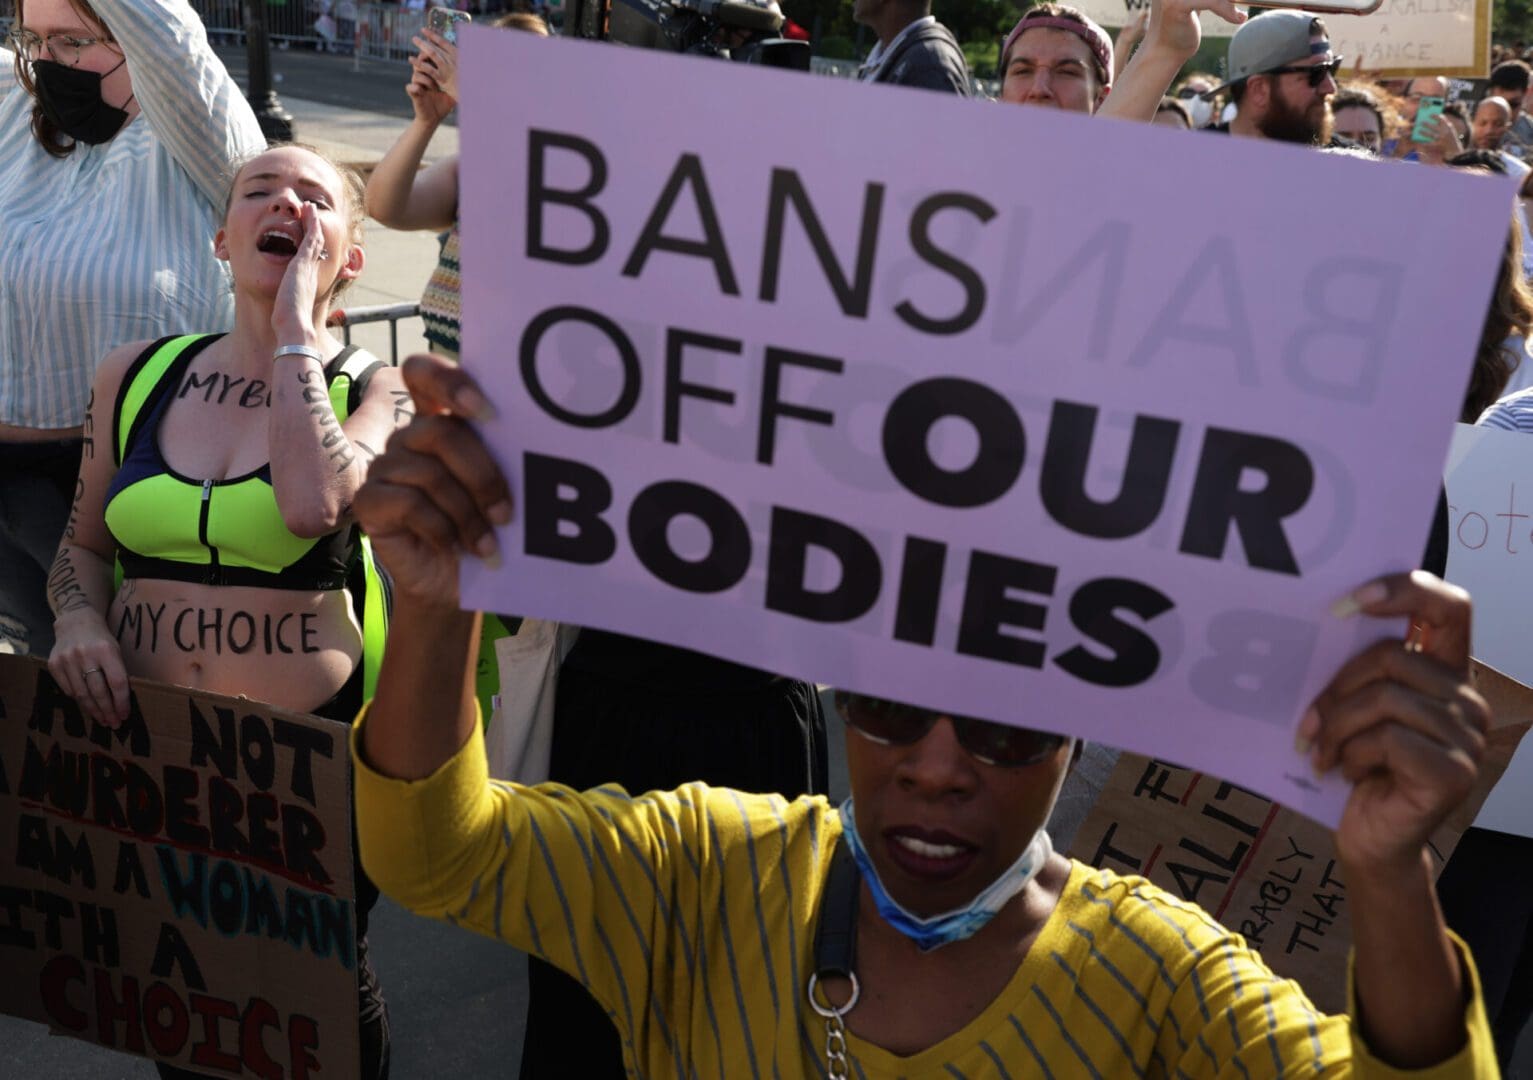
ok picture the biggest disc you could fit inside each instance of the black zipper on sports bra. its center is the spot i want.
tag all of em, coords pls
(214, 573)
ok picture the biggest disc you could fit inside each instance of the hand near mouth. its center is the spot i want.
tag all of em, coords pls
(293, 313)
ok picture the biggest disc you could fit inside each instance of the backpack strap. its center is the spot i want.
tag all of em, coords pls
(348, 374)
(144, 382)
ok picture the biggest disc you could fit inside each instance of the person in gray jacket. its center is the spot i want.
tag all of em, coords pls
(913, 48)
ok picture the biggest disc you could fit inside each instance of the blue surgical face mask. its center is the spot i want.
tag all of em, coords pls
(960, 923)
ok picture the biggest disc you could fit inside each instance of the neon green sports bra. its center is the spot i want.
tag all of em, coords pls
(216, 532)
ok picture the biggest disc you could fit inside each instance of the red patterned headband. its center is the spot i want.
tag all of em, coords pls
(1094, 36)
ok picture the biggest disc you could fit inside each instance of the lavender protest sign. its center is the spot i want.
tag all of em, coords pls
(918, 397)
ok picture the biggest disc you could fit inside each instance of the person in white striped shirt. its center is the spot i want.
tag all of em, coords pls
(119, 129)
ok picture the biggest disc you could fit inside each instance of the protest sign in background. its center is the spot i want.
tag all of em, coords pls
(181, 887)
(1117, 13)
(965, 421)
(1490, 553)
(1265, 872)
(1415, 37)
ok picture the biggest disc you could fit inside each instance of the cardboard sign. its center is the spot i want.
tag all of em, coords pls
(958, 421)
(1416, 37)
(1490, 553)
(1265, 872)
(181, 887)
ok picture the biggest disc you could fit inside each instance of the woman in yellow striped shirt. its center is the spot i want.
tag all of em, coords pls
(691, 915)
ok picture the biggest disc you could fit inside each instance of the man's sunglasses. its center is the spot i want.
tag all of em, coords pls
(893, 724)
(1317, 73)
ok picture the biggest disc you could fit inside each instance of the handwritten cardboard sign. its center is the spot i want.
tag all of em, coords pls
(181, 887)
(953, 422)
(1489, 477)
(1264, 871)
(1416, 37)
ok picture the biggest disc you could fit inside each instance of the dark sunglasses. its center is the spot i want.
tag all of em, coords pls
(1317, 73)
(893, 724)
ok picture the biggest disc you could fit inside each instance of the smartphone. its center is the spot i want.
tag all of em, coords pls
(1321, 7)
(1427, 113)
(445, 22)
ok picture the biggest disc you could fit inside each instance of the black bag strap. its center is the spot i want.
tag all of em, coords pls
(835, 937)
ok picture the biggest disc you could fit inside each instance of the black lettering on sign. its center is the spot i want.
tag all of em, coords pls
(852, 291)
(991, 609)
(1106, 853)
(130, 870)
(1220, 498)
(305, 742)
(50, 704)
(928, 252)
(920, 599)
(563, 503)
(1141, 492)
(859, 577)
(1096, 611)
(539, 195)
(628, 358)
(98, 934)
(12, 932)
(57, 856)
(907, 437)
(54, 909)
(1153, 782)
(688, 173)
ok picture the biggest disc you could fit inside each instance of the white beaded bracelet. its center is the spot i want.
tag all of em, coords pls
(298, 350)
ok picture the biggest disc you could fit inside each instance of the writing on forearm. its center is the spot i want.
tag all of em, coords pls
(404, 407)
(88, 435)
(159, 628)
(215, 387)
(333, 441)
(65, 593)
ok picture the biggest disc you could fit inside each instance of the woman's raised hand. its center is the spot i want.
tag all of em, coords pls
(1403, 723)
(435, 492)
(292, 316)
(433, 86)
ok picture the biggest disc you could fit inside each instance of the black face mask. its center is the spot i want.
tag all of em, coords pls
(71, 98)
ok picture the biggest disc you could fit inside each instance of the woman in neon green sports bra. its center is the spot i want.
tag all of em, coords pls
(217, 474)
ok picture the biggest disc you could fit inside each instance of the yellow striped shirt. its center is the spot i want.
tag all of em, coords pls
(690, 916)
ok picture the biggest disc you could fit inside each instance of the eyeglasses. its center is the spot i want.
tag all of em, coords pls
(1317, 73)
(64, 48)
(893, 724)
(1187, 93)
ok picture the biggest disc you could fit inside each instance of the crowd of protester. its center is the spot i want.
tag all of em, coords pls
(183, 257)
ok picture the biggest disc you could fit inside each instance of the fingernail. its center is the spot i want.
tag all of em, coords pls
(1370, 594)
(500, 513)
(473, 404)
(1309, 727)
(488, 551)
(1315, 765)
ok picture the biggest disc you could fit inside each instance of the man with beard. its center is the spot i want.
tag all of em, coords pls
(1282, 75)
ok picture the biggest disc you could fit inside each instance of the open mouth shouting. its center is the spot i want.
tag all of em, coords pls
(280, 241)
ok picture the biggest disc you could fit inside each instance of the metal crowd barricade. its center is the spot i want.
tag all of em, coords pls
(383, 31)
(346, 318)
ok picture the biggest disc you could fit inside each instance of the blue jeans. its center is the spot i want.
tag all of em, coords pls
(37, 482)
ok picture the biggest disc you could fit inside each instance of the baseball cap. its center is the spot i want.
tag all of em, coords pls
(1270, 40)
